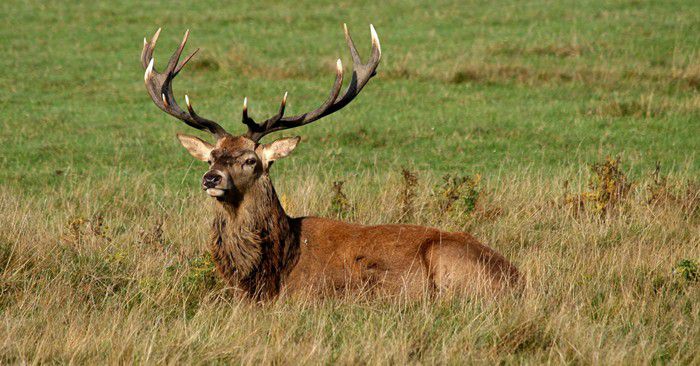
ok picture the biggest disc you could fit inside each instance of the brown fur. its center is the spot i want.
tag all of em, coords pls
(264, 252)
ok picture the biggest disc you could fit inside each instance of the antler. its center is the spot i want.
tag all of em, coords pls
(159, 86)
(360, 76)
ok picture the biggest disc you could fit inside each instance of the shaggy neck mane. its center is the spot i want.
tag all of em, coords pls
(254, 241)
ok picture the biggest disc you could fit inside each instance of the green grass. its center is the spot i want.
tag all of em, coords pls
(525, 94)
(468, 86)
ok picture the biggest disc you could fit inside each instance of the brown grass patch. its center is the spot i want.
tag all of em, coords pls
(561, 50)
(499, 74)
(618, 290)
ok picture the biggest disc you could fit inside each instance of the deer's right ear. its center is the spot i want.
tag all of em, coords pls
(197, 147)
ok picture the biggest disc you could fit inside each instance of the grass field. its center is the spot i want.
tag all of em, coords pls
(102, 249)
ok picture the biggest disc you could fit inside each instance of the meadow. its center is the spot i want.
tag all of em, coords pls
(563, 134)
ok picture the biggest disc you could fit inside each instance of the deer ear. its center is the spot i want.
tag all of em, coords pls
(197, 147)
(279, 149)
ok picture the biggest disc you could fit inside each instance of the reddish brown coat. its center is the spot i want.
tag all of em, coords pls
(262, 251)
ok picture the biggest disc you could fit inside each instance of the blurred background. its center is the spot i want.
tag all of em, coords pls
(463, 86)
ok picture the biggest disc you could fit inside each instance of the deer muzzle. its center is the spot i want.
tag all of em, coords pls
(214, 182)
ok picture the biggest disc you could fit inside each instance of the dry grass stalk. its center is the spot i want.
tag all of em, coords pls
(408, 195)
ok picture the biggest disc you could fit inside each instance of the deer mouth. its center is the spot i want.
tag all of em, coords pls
(215, 192)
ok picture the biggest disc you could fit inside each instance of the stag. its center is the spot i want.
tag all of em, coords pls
(262, 251)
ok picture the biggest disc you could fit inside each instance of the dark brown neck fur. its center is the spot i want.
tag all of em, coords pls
(254, 242)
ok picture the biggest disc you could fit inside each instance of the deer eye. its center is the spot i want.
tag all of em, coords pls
(250, 161)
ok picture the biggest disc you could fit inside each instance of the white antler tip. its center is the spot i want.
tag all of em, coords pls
(345, 28)
(147, 74)
(339, 66)
(245, 103)
(165, 101)
(375, 38)
(284, 98)
(156, 34)
(144, 41)
(187, 100)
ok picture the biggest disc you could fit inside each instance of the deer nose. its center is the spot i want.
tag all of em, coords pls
(211, 180)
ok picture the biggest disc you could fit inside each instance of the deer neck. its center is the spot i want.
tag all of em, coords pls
(253, 239)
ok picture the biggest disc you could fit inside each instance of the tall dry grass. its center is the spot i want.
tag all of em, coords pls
(116, 271)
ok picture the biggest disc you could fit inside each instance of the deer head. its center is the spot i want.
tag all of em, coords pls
(237, 162)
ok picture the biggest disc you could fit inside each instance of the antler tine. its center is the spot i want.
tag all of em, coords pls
(185, 61)
(159, 87)
(362, 72)
(280, 113)
(148, 47)
(257, 131)
(247, 120)
(173, 66)
(376, 46)
(351, 45)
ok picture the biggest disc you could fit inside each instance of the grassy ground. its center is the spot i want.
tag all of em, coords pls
(101, 259)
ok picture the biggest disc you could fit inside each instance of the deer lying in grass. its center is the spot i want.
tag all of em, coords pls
(264, 252)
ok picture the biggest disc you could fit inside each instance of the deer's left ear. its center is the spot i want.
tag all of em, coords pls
(278, 149)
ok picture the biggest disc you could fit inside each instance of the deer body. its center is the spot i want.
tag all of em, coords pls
(264, 252)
